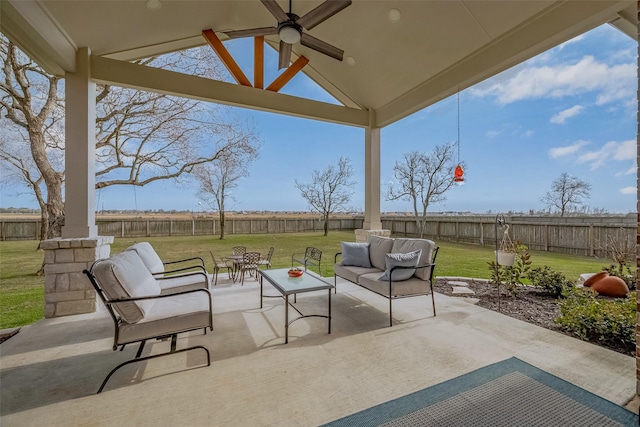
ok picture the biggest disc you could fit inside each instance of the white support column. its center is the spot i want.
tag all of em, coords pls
(80, 128)
(372, 176)
(372, 223)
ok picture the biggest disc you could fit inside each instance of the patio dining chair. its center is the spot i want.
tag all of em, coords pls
(238, 250)
(249, 265)
(266, 262)
(218, 265)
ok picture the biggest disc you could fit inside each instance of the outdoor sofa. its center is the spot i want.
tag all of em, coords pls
(392, 268)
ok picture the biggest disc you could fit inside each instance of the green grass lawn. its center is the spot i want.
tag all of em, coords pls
(22, 292)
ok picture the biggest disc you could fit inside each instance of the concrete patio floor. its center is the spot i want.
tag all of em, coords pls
(50, 371)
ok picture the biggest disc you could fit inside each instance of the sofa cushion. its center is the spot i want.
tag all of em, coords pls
(352, 273)
(355, 254)
(402, 245)
(378, 247)
(149, 256)
(124, 275)
(409, 259)
(412, 286)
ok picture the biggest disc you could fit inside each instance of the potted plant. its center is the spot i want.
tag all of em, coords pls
(506, 253)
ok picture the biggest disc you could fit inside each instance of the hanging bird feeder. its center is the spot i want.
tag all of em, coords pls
(458, 175)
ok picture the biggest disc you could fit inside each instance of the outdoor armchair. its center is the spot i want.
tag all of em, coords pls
(310, 257)
(192, 272)
(142, 311)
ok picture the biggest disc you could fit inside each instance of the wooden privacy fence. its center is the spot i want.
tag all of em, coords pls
(587, 235)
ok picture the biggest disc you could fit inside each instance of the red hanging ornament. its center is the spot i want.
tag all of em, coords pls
(458, 175)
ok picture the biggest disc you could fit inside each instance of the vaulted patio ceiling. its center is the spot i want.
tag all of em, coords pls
(398, 68)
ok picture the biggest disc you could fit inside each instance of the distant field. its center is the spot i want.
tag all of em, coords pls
(187, 215)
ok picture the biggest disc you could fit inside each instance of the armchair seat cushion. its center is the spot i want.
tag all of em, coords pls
(167, 316)
(183, 282)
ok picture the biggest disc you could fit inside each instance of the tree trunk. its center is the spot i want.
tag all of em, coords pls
(221, 224)
(52, 179)
(326, 224)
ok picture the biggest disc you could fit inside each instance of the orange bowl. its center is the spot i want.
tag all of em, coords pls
(294, 273)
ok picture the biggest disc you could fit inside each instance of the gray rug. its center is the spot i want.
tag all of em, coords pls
(507, 393)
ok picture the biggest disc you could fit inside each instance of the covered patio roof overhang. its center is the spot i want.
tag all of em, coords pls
(400, 57)
(392, 68)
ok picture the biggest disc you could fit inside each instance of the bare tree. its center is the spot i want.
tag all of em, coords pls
(329, 190)
(141, 137)
(567, 192)
(218, 177)
(423, 179)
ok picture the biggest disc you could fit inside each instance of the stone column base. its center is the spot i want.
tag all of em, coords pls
(362, 235)
(67, 290)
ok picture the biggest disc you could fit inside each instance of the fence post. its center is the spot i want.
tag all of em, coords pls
(546, 237)
(147, 228)
(170, 227)
(122, 229)
(481, 233)
(590, 245)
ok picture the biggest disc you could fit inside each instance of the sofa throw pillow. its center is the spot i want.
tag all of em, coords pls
(355, 254)
(409, 259)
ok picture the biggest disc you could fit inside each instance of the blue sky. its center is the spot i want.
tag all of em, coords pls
(571, 109)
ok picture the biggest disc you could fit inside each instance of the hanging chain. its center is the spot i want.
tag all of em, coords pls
(458, 126)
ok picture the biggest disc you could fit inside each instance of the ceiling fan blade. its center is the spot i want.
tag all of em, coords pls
(321, 13)
(252, 32)
(284, 56)
(320, 46)
(276, 10)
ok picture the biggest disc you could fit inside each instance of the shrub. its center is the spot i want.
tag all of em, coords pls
(611, 322)
(552, 282)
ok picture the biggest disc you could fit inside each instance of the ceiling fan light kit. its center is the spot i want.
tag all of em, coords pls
(289, 33)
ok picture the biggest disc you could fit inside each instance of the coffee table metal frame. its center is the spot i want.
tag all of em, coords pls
(286, 286)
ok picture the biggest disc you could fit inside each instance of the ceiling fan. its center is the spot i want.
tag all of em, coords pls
(291, 29)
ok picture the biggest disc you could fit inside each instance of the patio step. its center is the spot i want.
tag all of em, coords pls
(460, 288)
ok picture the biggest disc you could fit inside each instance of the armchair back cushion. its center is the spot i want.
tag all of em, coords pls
(411, 245)
(149, 256)
(124, 275)
(378, 247)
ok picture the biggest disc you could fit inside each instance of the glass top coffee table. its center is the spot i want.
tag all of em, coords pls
(286, 286)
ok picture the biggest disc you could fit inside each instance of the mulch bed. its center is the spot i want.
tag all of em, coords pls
(530, 305)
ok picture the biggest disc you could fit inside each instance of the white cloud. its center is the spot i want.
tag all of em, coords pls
(631, 171)
(628, 190)
(556, 152)
(613, 83)
(493, 133)
(620, 151)
(565, 114)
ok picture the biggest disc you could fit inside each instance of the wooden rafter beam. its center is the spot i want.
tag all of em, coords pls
(225, 57)
(288, 74)
(258, 62)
